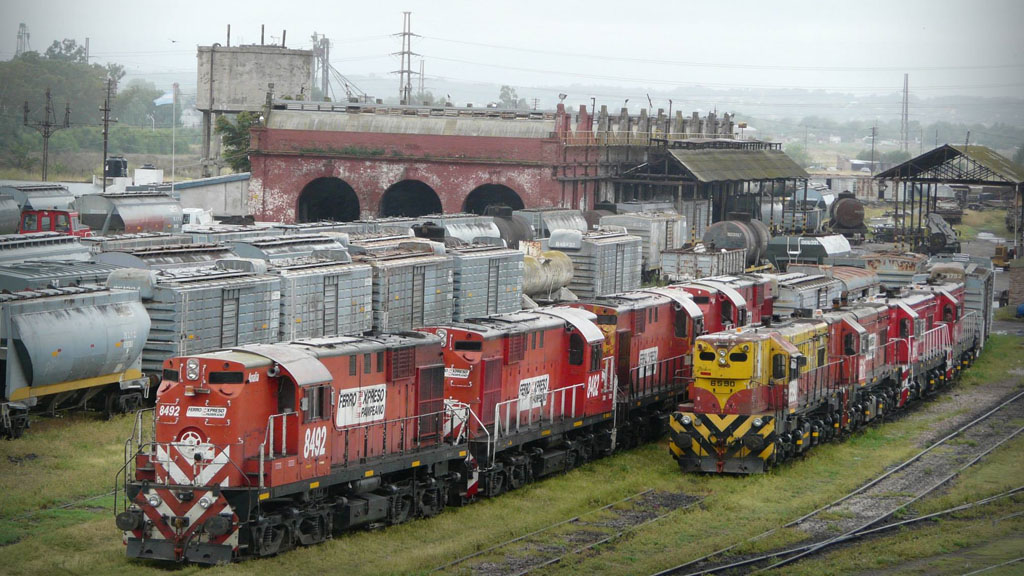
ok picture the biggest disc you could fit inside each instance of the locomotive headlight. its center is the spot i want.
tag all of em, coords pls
(192, 369)
(686, 420)
(721, 353)
(154, 500)
(205, 502)
(757, 422)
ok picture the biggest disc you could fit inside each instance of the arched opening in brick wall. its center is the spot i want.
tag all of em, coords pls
(327, 198)
(490, 195)
(409, 198)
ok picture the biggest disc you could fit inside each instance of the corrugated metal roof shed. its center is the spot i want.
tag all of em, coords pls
(957, 165)
(738, 165)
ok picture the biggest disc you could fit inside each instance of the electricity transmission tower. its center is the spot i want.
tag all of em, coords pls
(405, 74)
(23, 43)
(322, 67)
(47, 126)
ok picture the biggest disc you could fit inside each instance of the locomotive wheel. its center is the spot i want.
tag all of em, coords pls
(516, 476)
(401, 507)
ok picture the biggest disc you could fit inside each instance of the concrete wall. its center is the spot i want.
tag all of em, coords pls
(240, 74)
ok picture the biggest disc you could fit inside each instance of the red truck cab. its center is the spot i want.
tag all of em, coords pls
(61, 221)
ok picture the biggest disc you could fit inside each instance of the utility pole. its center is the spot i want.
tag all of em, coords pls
(905, 118)
(405, 74)
(106, 129)
(805, 138)
(873, 131)
(48, 126)
(421, 82)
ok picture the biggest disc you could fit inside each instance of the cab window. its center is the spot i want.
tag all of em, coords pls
(576, 346)
(595, 357)
(315, 403)
(726, 312)
(62, 223)
(28, 222)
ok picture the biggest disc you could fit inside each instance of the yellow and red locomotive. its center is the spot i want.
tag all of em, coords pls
(761, 395)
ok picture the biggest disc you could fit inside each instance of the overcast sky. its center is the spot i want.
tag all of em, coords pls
(971, 47)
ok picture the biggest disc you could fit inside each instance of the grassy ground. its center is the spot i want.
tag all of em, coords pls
(78, 457)
(991, 221)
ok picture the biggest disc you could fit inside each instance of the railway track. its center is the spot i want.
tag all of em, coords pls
(855, 514)
(547, 546)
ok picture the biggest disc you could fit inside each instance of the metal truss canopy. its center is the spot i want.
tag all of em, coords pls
(950, 164)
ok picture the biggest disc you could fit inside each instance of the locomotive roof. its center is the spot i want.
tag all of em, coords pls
(510, 323)
(630, 300)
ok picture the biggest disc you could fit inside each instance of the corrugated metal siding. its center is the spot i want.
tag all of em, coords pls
(696, 213)
(324, 298)
(33, 275)
(657, 231)
(195, 310)
(285, 246)
(739, 165)
(226, 233)
(545, 220)
(604, 263)
(682, 265)
(486, 281)
(411, 288)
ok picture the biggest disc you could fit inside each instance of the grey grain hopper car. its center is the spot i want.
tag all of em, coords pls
(312, 228)
(801, 294)
(167, 257)
(658, 231)
(42, 246)
(858, 283)
(285, 246)
(70, 347)
(36, 274)
(699, 262)
(194, 310)
(321, 295)
(128, 242)
(604, 261)
(40, 196)
(487, 279)
(225, 233)
(894, 269)
(785, 250)
(979, 290)
(413, 284)
(545, 221)
(130, 212)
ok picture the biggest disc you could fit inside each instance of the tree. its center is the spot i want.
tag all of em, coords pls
(1018, 156)
(895, 157)
(799, 155)
(509, 98)
(235, 137)
(68, 50)
(134, 105)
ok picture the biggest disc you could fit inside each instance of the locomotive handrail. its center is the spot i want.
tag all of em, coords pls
(366, 430)
(269, 436)
(932, 342)
(549, 400)
(129, 454)
(664, 373)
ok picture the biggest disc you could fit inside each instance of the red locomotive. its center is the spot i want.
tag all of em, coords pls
(262, 448)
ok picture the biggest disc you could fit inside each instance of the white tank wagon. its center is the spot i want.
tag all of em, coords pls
(195, 310)
(487, 279)
(468, 228)
(413, 283)
(545, 221)
(658, 231)
(604, 261)
(325, 294)
(285, 246)
(546, 274)
(130, 212)
(167, 257)
(42, 246)
(69, 348)
(40, 196)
